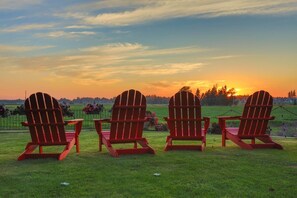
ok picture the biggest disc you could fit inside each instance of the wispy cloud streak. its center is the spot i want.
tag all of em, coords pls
(25, 27)
(146, 11)
(13, 48)
(57, 34)
(17, 4)
(111, 62)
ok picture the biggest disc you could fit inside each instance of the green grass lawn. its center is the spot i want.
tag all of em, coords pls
(216, 172)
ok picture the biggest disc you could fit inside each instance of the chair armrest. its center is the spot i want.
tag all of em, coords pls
(77, 123)
(223, 119)
(98, 124)
(74, 121)
(206, 123)
(101, 120)
(229, 117)
(146, 119)
(25, 123)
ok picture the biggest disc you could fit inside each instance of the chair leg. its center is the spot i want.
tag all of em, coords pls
(77, 144)
(100, 143)
(168, 144)
(29, 149)
(235, 139)
(145, 145)
(268, 140)
(112, 151)
(66, 150)
(223, 138)
(204, 140)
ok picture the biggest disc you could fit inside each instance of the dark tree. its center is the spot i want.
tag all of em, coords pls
(19, 110)
(292, 94)
(215, 95)
(219, 96)
(66, 110)
(93, 109)
(186, 88)
(4, 112)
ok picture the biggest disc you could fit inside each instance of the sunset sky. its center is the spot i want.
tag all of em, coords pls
(101, 48)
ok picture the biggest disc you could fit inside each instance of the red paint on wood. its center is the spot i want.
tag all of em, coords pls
(47, 127)
(128, 117)
(253, 123)
(184, 121)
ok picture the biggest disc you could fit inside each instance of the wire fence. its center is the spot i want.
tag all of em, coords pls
(13, 122)
(285, 123)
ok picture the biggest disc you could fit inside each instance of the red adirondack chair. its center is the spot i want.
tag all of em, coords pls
(126, 125)
(185, 122)
(47, 127)
(253, 123)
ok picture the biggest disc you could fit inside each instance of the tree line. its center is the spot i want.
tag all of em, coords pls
(215, 95)
(292, 94)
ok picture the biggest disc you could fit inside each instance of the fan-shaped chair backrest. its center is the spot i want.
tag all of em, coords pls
(184, 115)
(128, 116)
(256, 114)
(45, 119)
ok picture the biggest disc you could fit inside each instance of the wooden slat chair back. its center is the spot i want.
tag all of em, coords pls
(185, 115)
(253, 123)
(45, 119)
(47, 127)
(185, 121)
(128, 116)
(256, 114)
(126, 125)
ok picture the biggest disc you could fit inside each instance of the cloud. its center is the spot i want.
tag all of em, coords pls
(57, 34)
(109, 63)
(138, 50)
(115, 47)
(225, 57)
(14, 48)
(98, 5)
(146, 11)
(163, 69)
(74, 15)
(168, 88)
(94, 81)
(25, 27)
(17, 4)
(120, 32)
(78, 27)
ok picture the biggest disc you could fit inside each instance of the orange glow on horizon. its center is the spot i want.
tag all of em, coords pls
(110, 91)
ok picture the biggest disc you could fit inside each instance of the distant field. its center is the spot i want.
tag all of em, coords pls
(284, 124)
